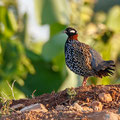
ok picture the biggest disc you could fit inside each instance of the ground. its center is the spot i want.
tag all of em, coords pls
(82, 103)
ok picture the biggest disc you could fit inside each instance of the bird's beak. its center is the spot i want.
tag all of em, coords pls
(65, 31)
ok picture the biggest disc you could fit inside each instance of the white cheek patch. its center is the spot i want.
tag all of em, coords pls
(72, 31)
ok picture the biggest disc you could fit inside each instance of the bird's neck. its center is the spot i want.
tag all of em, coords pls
(73, 37)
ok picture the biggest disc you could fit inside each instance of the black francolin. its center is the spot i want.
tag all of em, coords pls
(83, 60)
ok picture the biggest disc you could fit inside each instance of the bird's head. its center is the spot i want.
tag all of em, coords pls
(70, 31)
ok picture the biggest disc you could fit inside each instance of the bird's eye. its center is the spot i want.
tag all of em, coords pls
(72, 31)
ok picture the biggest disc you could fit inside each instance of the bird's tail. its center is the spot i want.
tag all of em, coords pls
(106, 68)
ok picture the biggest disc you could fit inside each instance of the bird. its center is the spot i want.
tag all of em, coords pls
(83, 60)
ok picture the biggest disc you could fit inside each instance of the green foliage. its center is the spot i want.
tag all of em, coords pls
(14, 65)
(41, 66)
(101, 32)
(5, 110)
(71, 92)
(52, 11)
(113, 21)
(53, 47)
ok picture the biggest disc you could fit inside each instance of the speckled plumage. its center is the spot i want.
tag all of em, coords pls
(83, 60)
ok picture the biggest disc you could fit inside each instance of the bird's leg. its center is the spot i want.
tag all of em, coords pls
(84, 81)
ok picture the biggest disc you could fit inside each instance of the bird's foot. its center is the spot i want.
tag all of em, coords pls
(84, 81)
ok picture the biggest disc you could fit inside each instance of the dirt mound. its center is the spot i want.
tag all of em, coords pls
(82, 103)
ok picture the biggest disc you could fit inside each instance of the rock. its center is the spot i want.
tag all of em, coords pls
(81, 109)
(18, 106)
(97, 106)
(87, 109)
(103, 116)
(105, 97)
(35, 107)
(77, 107)
(60, 107)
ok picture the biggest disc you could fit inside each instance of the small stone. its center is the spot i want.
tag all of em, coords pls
(103, 116)
(18, 112)
(105, 97)
(60, 107)
(80, 109)
(87, 99)
(18, 106)
(84, 118)
(35, 107)
(77, 107)
(87, 109)
(97, 106)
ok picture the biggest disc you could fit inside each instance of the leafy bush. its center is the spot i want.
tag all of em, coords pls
(46, 71)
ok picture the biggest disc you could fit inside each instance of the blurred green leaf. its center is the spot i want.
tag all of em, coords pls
(53, 47)
(115, 46)
(100, 17)
(52, 11)
(118, 81)
(12, 24)
(56, 28)
(8, 22)
(59, 62)
(113, 20)
(86, 13)
(6, 92)
(44, 80)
